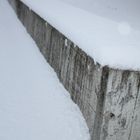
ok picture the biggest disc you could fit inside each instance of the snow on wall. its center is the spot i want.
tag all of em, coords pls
(111, 37)
(108, 98)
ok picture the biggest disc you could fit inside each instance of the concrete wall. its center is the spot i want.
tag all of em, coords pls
(108, 98)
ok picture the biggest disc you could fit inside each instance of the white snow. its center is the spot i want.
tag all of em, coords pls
(33, 103)
(107, 30)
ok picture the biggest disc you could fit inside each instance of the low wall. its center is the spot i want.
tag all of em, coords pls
(108, 98)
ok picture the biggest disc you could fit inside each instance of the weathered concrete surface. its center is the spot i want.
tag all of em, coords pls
(109, 99)
(121, 101)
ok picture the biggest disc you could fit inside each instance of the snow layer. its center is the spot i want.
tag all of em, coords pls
(107, 30)
(33, 103)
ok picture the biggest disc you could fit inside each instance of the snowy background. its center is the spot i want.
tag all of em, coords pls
(33, 103)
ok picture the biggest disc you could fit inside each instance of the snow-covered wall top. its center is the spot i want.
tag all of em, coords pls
(107, 30)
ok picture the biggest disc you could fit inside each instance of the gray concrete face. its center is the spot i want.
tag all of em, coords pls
(109, 99)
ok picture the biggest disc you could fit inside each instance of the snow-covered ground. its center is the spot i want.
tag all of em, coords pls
(107, 30)
(33, 103)
(117, 10)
